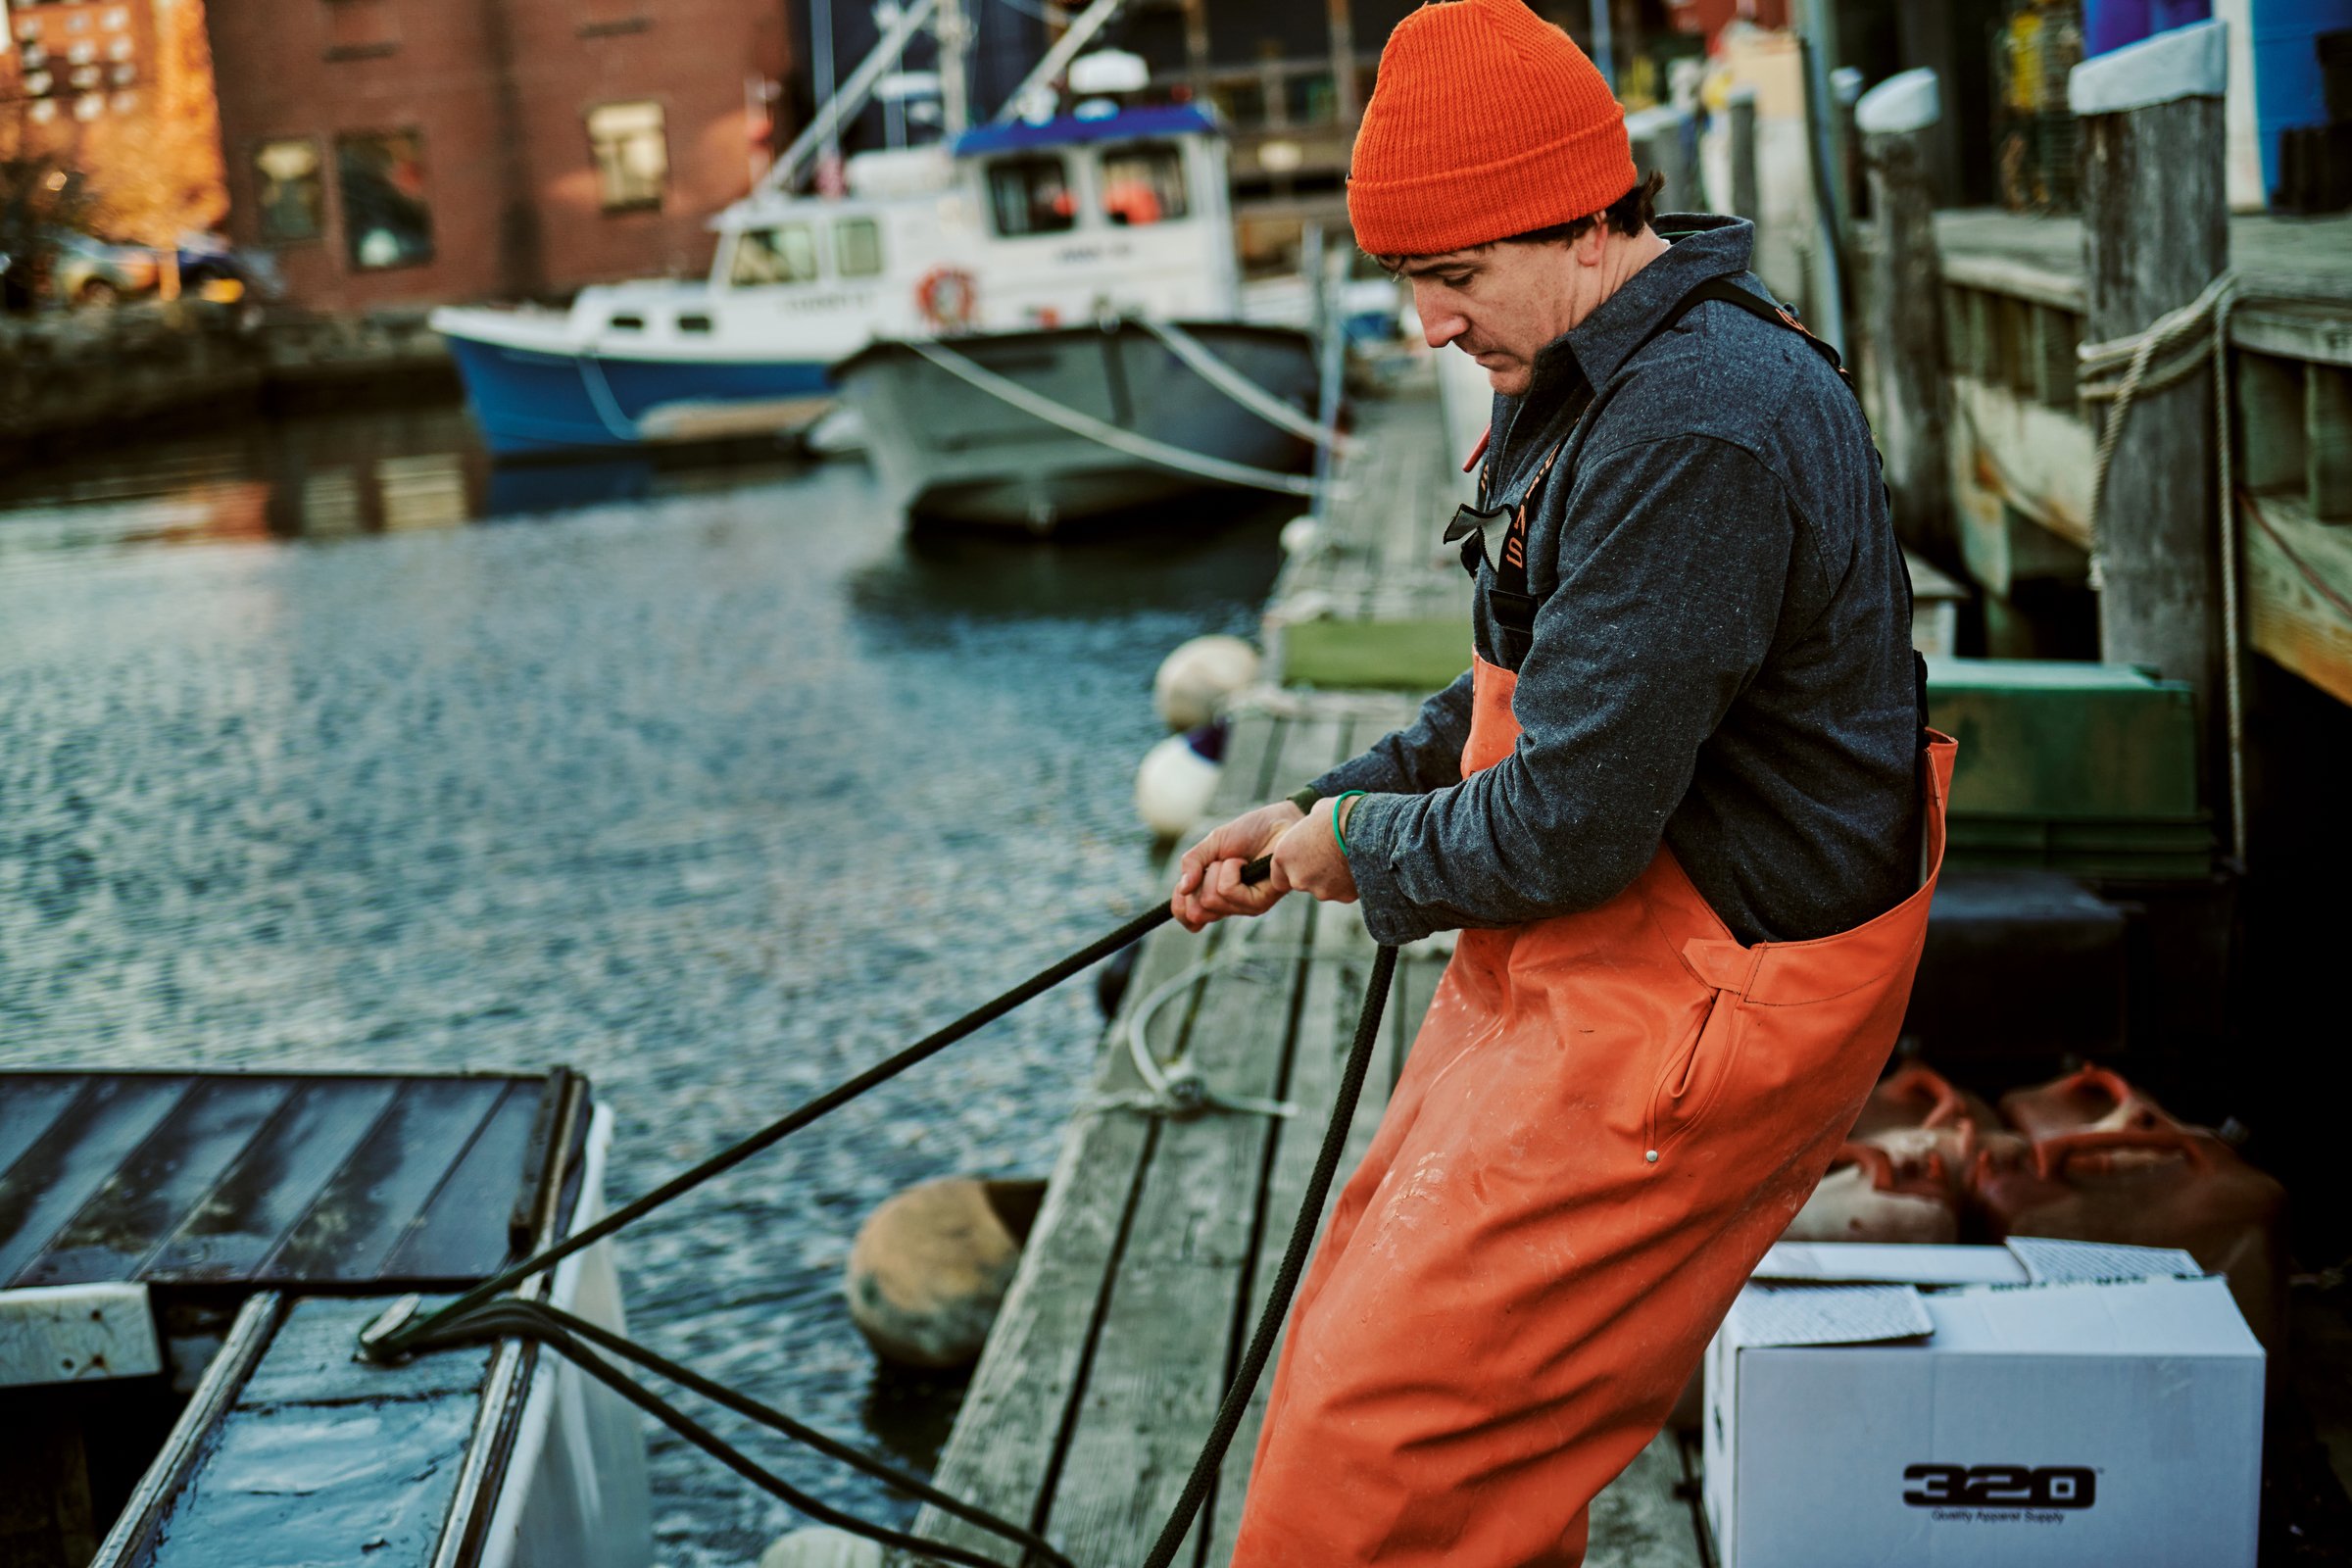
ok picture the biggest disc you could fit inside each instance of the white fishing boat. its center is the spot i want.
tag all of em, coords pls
(1051, 293)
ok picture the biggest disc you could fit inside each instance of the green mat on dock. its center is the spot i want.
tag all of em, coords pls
(1419, 657)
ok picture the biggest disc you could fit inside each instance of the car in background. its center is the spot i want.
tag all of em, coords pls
(84, 270)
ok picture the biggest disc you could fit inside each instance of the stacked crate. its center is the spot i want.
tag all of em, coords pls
(2091, 769)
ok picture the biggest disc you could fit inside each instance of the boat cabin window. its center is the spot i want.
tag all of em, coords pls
(784, 254)
(1031, 196)
(694, 323)
(858, 248)
(1143, 184)
(627, 323)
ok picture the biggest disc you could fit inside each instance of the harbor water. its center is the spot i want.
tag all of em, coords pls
(324, 745)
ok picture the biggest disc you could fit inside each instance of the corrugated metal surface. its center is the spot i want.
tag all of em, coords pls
(288, 1181)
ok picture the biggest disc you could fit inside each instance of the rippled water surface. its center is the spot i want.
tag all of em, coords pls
(711, 785)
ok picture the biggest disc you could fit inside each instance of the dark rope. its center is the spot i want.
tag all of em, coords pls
(479, 1315)
(791, 1122)
(1294, 1264)
(504, 1321)
(513, 1308)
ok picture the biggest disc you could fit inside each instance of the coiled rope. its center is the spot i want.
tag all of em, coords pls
(487, 1312)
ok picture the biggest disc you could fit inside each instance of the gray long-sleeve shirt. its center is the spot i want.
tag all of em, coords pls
(1720, 655)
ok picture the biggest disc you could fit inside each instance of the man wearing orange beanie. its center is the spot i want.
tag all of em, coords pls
(1684, 810)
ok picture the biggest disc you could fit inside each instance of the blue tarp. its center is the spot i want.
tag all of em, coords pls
(1163, 119)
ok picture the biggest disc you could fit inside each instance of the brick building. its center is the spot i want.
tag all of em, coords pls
(421, 151)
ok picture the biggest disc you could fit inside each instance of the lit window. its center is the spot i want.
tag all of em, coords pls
(124, 75)
(89, 106)
(1031, 196)
(79, 21)
(785, 254)
(858, 247)
(1143, 185)
(387, 219)
(82, 54)
(289, 190)
(44, 110)
(632, 157)
(115, 19)
(125, 101)
(121, 49)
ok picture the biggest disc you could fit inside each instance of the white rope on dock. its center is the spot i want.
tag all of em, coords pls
(1239, 387)
(1103, 431)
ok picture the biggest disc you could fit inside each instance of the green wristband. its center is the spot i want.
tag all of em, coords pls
(1338, 803)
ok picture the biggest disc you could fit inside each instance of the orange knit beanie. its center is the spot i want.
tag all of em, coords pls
(1486, 122)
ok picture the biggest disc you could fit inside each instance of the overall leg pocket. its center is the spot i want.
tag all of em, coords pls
(1693, 1073)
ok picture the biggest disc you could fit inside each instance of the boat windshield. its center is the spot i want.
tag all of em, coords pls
(784, 254)
(858, 248)
(1031, 196)
(1142, 182)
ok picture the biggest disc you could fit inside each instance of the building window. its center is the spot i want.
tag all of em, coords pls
(1031, 196)
(1143, 185)
(632, 157)
(784, 254)
(290, 189)
(387, 220)
(858, 248)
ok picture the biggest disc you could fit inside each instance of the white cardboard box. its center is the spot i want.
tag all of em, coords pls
(2048, 1403)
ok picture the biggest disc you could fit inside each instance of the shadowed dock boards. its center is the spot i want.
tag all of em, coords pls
(1160, 1236)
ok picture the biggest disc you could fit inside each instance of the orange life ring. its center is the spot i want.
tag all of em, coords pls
(949, 298)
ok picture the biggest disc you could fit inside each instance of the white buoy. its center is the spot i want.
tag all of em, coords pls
(1301, 535)
(930, 1267)
(1174, 786)
(823, 1546)
(1196, 679)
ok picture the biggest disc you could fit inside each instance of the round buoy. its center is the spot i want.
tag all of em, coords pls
(930, 1267)
(1195, 680)
(823, 1546)
(1301, 535)
(1176, 780)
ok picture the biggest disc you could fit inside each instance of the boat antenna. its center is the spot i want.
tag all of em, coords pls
(1058, 58)
(845, 105)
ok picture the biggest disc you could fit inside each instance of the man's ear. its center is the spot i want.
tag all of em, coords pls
(1588, 247)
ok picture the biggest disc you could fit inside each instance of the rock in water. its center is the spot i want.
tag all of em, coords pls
(1195, 681)
(931, 1266)
(819, 1546)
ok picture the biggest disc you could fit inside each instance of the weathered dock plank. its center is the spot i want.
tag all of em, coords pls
(1165, 1342)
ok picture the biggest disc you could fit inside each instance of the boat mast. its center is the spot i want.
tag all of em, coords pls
(844, 106)
(1058, 58)
(955, 33)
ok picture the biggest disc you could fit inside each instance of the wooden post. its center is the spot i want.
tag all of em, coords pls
(1348, 100)
(1742, 109)
(2155, 234)
(1905, 324)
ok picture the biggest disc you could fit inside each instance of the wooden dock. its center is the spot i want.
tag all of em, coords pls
(1160, 1234)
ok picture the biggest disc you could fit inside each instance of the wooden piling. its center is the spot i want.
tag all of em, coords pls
(2155, 234)
(1905, 324)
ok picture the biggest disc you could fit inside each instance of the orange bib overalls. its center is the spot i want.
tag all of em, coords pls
(1605, 1120)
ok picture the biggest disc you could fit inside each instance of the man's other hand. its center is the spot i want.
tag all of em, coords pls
(1208, 879)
